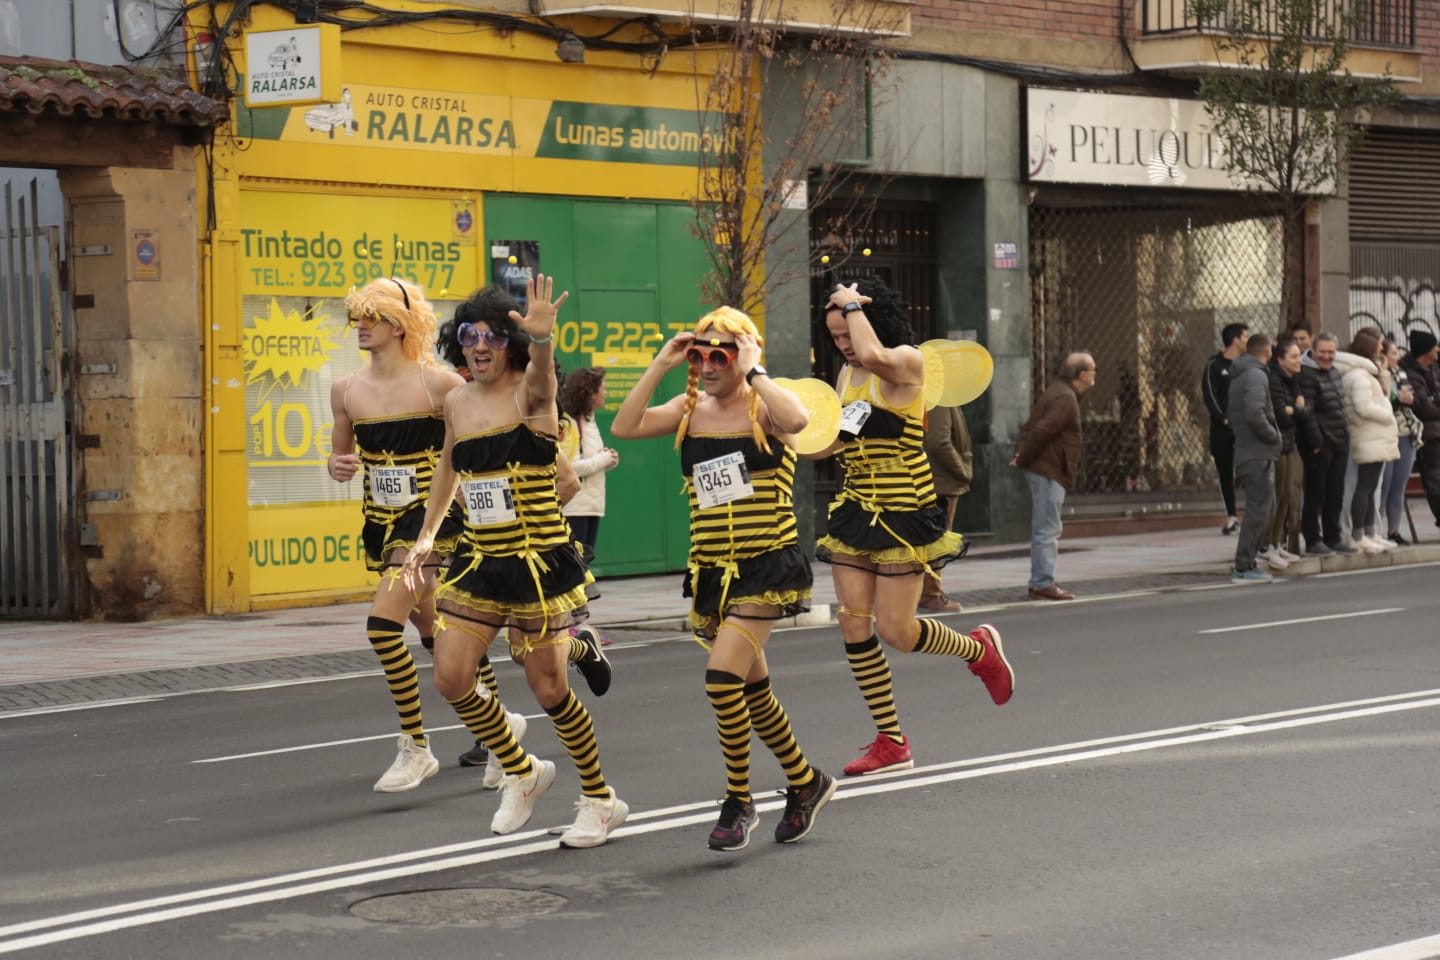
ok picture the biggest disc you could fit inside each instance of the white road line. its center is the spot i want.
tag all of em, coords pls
(1368, 570)
(1425, 948)
(335, 743)
(1287, 623)
(304, 883)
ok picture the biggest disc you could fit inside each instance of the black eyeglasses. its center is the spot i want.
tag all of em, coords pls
(468, 334)
(719, 355)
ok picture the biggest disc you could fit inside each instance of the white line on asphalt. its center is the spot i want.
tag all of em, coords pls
(1287, 623)
(72, 707)
(1369, 570)
(334, 743)
(1423, 949)
(289, 886)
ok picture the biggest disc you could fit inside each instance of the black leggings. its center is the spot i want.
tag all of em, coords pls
(1362, 504)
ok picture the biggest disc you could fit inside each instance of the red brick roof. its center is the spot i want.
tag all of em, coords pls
(73, 88)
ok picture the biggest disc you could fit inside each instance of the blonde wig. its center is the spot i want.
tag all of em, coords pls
(401, 304)
(730, 321)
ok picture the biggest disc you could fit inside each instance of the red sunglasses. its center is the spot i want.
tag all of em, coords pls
(719, 355)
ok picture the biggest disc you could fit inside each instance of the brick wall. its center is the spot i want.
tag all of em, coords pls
(1067, 19)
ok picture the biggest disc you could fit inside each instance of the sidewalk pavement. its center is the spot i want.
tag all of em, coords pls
(307, 641)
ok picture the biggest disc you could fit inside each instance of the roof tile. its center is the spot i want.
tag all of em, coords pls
(73, 88)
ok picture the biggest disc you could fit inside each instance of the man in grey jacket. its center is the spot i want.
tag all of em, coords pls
(1257, 447)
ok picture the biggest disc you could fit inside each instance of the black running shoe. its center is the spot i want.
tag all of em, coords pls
(594, 666)
(802, 806)
(476, 756)
(732, 830)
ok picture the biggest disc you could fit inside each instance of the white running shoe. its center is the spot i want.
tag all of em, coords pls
(413, 765)
(1369, 546)
(595, 820)
(518, 796)
(1286, 555)
(494, 769)
(1274, 559)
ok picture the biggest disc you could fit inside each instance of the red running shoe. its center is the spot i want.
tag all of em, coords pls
(881, 756)
(992, 667)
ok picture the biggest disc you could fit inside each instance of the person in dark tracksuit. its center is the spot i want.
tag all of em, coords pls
(1215, 388)
(1324, 446)
(1257, 446)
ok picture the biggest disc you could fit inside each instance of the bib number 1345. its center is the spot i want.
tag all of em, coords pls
(722, 480)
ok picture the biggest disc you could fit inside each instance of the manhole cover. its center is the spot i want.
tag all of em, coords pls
(457, 905)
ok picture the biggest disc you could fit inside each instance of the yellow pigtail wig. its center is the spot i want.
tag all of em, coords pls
(730, 321)
(403, 305)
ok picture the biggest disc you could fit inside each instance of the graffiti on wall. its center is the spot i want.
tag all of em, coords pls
(1396, 305)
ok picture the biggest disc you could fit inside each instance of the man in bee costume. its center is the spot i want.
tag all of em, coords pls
(517, 565)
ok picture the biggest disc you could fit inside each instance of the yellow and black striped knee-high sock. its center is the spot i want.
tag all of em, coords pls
(485, 719)
(387, 640)
(872, 673)
(935, 637)
(485, 674)
(773, 726)
(574, 729)
(726, 693)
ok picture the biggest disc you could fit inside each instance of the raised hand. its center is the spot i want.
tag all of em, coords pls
(672, 354)
(749, 355)
(843, 295)
(539, 319)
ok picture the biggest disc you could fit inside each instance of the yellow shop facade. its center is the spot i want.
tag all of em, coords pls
(454, 158)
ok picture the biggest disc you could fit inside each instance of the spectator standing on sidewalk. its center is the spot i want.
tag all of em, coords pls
(584, 394)
(952, 463)
(1215, 388)
(1257, 446)
(1374, 440)
(1422, 364)
(1304, 338)
(1410, 430)
(1325, 448)
(1048, 450)
(1283, 538)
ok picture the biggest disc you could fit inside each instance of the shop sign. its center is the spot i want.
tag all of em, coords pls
(290, 66)
(301, 255)
(399, 118)
(1114, 139)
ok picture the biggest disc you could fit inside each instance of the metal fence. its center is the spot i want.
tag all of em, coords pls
(36, 480)
(1377, 22)
(1147, 290)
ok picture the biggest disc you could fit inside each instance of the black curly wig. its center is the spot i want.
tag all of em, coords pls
(490, 306)
(889, 315)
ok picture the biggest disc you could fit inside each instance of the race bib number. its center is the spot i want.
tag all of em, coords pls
(489, 502)
(722, 480)
(853, 417)
(394, 486)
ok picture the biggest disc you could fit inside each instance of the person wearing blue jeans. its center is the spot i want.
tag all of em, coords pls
(1048, 450)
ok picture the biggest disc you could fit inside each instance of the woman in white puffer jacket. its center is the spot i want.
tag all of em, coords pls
(1374, 440)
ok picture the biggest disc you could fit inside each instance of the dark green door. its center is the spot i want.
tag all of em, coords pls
(633, 270)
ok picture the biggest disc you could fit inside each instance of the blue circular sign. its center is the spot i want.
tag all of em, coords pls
(464, 221)
(145, 252)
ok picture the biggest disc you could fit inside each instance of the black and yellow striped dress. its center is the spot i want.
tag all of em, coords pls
(399, 455)
(747, 550)
(516, 557)
(886, 510)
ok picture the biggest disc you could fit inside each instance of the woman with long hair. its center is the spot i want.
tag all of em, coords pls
(582, 395)
(1374, 440)
(887, 530)
(746, 569)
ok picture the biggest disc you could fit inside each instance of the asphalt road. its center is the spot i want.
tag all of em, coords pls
(1154, 790)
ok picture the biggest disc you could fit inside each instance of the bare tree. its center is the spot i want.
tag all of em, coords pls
(785, 118)
(1289, 110)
